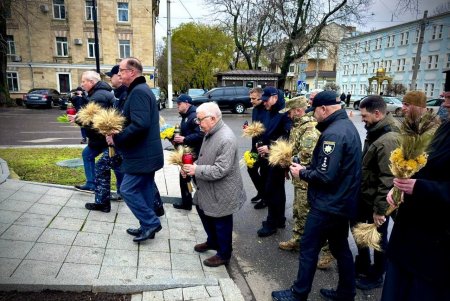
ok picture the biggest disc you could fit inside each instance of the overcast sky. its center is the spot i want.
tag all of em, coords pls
(183, 11)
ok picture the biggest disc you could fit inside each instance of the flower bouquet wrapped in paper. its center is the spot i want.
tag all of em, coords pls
(108, 122)
(416, 134)
(249, 159)
(280, 153)
(254, 129)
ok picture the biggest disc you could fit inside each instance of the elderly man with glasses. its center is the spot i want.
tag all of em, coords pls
(220, 190)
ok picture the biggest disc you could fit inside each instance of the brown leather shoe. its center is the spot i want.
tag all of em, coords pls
(215, 261)
(203, 247)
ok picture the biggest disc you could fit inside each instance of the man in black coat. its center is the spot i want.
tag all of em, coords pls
(191, 136)
(140, 145)
(334, 178)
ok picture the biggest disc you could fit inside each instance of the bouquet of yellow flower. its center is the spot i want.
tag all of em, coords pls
(249, 159)
(167, 132)
(416, 133)
(254, 129)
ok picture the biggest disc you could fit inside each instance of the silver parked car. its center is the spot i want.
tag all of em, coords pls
(394, 104)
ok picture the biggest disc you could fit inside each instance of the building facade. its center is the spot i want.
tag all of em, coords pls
(51, 42)
(394, 50)
(248, 78)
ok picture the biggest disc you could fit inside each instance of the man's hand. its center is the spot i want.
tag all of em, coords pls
(178, 139)
(405, 185)
(295, 169)
(378, 219)
(71, 118)
(110, 140)
(189, 169)
(263, 150)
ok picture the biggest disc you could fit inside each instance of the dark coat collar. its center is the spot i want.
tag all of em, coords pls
(137, 81)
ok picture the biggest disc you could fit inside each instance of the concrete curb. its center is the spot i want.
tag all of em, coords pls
(4, 171)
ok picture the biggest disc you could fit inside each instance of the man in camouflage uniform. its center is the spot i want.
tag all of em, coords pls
(303, 138)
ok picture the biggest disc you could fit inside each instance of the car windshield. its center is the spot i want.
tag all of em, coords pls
(196, 92)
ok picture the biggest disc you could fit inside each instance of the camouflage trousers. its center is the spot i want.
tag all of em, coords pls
(300, 211)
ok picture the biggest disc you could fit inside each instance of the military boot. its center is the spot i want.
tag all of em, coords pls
(325, 261)
(290, 245)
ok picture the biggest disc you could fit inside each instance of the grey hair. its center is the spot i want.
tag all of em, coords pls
(211, 109)
(91, 75)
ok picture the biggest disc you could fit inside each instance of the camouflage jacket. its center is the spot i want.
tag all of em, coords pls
(303, 138)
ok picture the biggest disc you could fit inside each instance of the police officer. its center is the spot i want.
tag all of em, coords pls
(303, 138)
(333, 179)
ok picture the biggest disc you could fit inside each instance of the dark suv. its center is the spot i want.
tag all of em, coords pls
(42, 97)
(236, 99)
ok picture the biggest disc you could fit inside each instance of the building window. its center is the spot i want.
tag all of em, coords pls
(429, 90)
(401, 65)
(367, 46)
(433, 61)
(388, 65)
(390, 41)
(414, 62)
(378, 43)
(292, 68)
(59, 10)
(404, 38)
(122, 12)
(62, 47)
(448, 60)
(11, 46)
(346, 69)
(13, 81)
(437, 32)
(355, 69)
(365, 66)
(356, 48)
(91, 48)
(417, 35)
(90, 10)
(124, 49)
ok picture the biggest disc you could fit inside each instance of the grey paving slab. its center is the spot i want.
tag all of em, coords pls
(214, 291)
(33, 188)
(48, 252)
(124, 209)
(185, 262)
(86, 255)
(53, 200)
(67, 223)
(12, 185)
(153, 296)
(73, 212)
(137, 297)
(230, 291)
(34, 269)
(101, 216)
(44, 209)
(88, 239)
(8, 265)
(121, 241)
(210, 299)
(79, 271)
(151, 273)
(14, 248)
(159, 244)
(182, 246)
(175, 294)
(218, 274)
(26, 233)
(88, 197)
(157, 260)
(122, 228)
(188, 274)
(25, 196)
(5, 193)
(182, 234)
(195, 292)
(8, 217)
(58, 236)
(35, 220)
(98, 227)
(78, 203)
(120, 258)
(15, 205)
(59, 192)
(115, 272)
(126, 218)
(3, 227)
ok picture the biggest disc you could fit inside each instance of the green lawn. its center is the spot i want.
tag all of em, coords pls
(39, 165)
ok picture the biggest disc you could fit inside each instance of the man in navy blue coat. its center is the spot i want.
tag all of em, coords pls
(141, 149)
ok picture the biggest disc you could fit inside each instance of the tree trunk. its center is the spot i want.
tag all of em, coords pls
(5, 98)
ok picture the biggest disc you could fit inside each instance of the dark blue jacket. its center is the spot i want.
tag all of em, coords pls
(139, 142)
(121, 95)
(193, 136)
(334, 175)
(100, 94)
(277, 125)
(258, 114)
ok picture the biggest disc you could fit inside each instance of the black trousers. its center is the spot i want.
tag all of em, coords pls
(186, 196)
(257, 178)
(275, 195)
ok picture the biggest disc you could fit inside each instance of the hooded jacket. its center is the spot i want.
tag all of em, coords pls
(193, 136)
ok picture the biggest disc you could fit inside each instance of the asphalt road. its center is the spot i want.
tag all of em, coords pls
(259, 266)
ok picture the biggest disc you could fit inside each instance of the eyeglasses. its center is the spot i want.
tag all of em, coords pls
(199, 120)
(123, 69)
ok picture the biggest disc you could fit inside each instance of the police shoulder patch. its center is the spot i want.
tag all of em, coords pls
(328, 147)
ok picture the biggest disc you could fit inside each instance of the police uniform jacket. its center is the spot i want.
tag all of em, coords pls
(121, 95)
(220, 190)
(420, 238)
(334, 175)
(139, 142)
(193, 136)
(101, 95)
(382, 138)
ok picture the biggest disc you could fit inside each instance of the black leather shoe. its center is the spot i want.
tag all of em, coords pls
(266, 231)
(260, 205)
(84, 188)
(255, 199)
(181, 206)
(368, 283)
(134, 232)
(98, 207)
(330, 294)
(148, 234)
(159, 211)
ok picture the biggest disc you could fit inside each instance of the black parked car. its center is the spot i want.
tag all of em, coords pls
(235, 99)
(42, 97)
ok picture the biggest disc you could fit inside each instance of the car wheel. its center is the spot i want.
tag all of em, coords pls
(27, 106)
(356, 105)
(398, 112)
(239, 108)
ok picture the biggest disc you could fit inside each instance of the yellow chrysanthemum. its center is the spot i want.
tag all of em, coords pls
(167, 133)
(250, 158)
